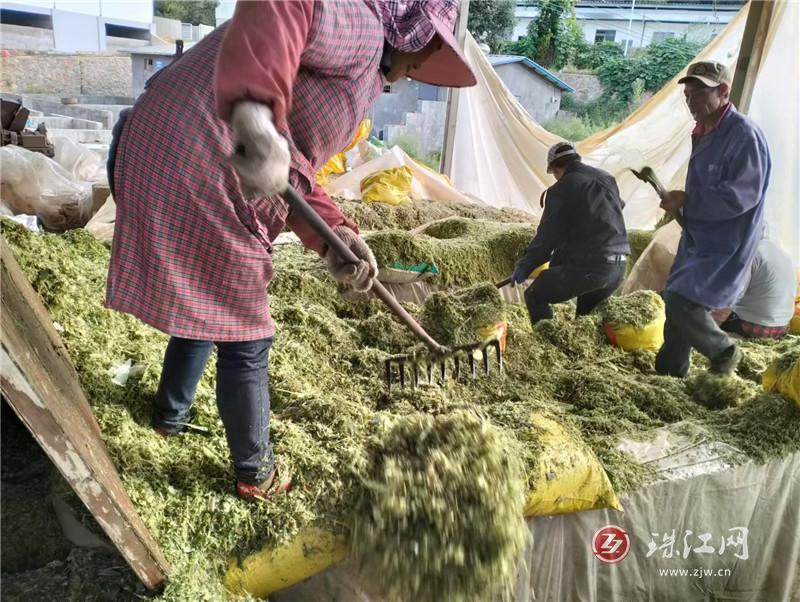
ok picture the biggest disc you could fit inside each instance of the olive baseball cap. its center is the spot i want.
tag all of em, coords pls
(710, 73)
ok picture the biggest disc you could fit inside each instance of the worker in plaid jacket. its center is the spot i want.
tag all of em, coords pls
(197, 167)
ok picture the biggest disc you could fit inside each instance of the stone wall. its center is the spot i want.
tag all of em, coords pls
(95, 74)
(587, 86)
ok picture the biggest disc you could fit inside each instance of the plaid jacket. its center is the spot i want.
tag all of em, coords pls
(190, 256)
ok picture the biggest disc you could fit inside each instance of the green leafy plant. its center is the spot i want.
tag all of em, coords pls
(490, 21)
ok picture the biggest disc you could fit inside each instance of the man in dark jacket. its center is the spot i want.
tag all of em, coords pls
(582, 235)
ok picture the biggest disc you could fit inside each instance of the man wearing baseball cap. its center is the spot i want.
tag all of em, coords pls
(722, 208)
(582, 234)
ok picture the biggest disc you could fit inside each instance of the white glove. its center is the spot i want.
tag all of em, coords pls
(358, 276)
(261, 154)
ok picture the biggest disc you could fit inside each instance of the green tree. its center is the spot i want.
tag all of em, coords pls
(490, 21)
(656, 65)
(593, 56)
(195, 12)
(553, 37)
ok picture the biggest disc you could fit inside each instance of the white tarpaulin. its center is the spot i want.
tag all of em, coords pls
(727, 534)
(500, 151)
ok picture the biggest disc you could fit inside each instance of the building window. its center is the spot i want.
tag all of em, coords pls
(604, 35)
(660, 36)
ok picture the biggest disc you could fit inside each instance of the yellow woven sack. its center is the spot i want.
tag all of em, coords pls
(649, 337)
(390, 186)
(569, 479)
(785, 382)
(794, 324)
(338, 163)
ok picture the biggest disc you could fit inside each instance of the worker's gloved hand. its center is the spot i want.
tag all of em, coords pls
(359, 276)
(261, 154)
(520, 275)
(673, 201)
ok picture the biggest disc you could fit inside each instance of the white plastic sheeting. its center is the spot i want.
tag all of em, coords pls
(724, 535)
(775, 106)
(500, 151)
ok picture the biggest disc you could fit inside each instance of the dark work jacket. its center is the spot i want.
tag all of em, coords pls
(582, 222)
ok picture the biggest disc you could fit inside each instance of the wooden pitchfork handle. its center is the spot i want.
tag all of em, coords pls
(300, 206)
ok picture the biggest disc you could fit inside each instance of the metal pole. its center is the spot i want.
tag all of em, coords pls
(630, 27)
(452, 101)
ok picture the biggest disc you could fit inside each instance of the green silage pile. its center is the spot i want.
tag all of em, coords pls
(454, 318)
(329, 406)
(466, 252)
(637, 309)
(381, 216)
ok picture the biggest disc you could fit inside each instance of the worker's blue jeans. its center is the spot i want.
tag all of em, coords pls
(242, 398)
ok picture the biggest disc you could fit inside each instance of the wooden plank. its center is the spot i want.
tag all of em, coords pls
(751, 53)
(452, 100)
(41, 385)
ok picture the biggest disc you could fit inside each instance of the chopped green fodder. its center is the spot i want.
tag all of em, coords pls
(481, 252)
(638, 241)
(718, 391)
(381, 216)
(789, 357)
(326, 391)
(454, 318)
(637, 309)
(440, 517)
(766, 426)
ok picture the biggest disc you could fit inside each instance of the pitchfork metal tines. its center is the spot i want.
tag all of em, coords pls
(439, 355)
(430, 369)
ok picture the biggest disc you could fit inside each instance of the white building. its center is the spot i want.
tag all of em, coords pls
(637, 23)
(75, 25)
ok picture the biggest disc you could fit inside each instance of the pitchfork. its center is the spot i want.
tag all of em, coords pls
(435, 361)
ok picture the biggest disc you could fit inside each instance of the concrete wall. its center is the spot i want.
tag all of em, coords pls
(587, 86)
(404, 96)
(105, 114)
(144, 67)
(26, 38)
(66, 74)
(136, 11)
(539, 97)
(426, 125)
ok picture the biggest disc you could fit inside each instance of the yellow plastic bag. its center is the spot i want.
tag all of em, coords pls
(786, 382)
(794, 324)
(628, 337)
(569, 479)
(495, 332)
(338, 163)
(390, 186)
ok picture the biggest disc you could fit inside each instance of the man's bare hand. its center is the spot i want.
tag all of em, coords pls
(674, 201)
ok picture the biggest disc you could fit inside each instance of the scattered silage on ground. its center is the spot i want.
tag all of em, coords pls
(326, 392)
